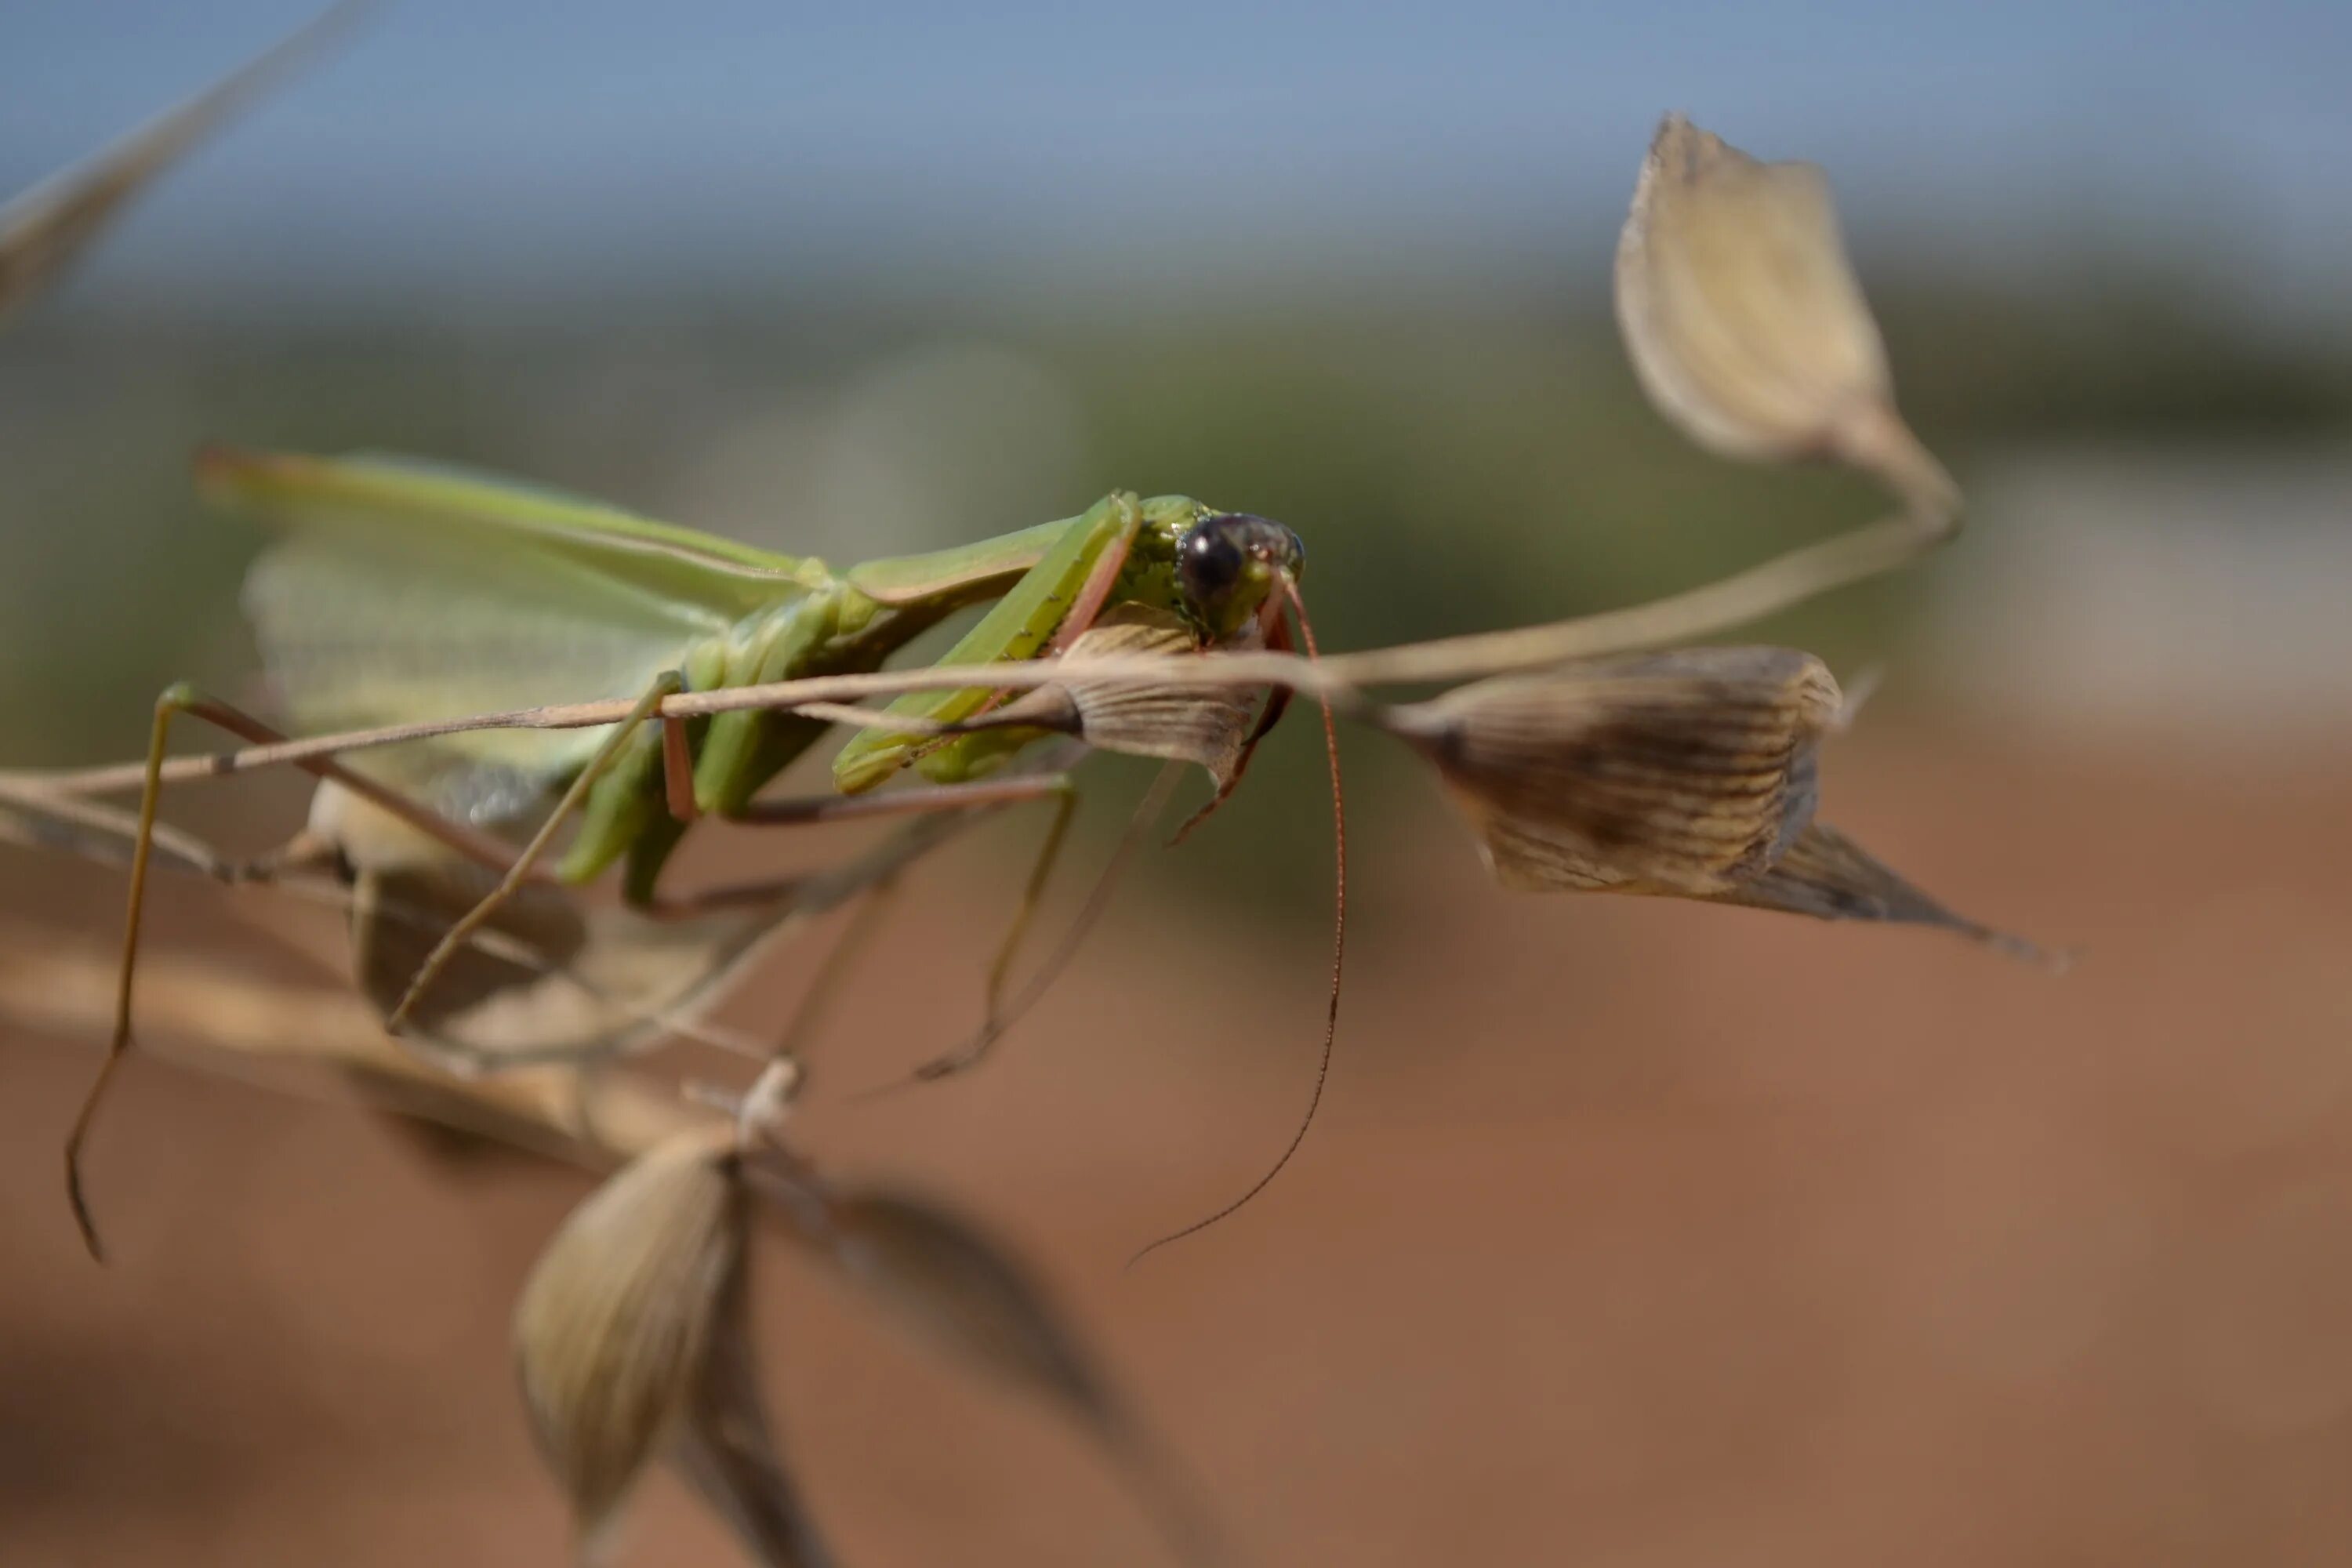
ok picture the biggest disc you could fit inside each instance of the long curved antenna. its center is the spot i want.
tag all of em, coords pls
(1339, 952)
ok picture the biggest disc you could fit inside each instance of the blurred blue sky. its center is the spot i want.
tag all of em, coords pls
(572, 144)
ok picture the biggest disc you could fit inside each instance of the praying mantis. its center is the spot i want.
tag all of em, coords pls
(399, 591)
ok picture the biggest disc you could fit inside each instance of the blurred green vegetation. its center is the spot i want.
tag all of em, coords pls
(1454, 460)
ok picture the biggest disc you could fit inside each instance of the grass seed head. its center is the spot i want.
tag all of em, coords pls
(1209, 725)
(1828, 876)
(1686, 773)
(616, 1328)
(1739, 310)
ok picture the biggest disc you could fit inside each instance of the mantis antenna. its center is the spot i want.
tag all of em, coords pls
(1339, 952)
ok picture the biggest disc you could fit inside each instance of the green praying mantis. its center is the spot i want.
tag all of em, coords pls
(397, 591)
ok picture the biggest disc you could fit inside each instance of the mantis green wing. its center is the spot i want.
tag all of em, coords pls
(400, 592)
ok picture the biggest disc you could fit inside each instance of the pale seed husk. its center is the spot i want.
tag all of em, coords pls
(1686, 773)
(614, 1330)
(1207, 725)
(1738, 307)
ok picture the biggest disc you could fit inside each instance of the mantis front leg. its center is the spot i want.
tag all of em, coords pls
(1074, 578)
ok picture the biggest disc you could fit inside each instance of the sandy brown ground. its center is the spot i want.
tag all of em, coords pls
(1633, 1235)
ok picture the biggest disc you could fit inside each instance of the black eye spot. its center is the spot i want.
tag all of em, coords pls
(1210, 561)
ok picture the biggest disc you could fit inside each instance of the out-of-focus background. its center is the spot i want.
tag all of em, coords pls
(1631, 1234)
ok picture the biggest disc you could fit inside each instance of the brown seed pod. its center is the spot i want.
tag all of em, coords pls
(1682, 773)
(1739, 310)
(1830, 877)
(615, 1328)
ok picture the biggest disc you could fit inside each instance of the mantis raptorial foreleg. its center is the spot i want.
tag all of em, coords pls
(186, 700)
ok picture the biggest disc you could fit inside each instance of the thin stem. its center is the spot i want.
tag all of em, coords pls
(1736, 600)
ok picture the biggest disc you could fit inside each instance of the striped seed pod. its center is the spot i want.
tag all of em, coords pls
(1686, 772)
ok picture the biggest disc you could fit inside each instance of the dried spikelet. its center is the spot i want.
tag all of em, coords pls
(966, 1294)
(45, 228)
(1739, 310)
(1686, 773)
(1829, 875)
(728, 1454)
(962, 1291)
(614, 1331)
(1203, 724)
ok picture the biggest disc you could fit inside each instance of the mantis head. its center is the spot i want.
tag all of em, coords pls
(1233, 568)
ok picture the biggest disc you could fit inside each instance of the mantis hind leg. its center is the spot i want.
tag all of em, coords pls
(810, 810)
(1003, 1015)
(1032, 893)
(668, 683)
(186, 699)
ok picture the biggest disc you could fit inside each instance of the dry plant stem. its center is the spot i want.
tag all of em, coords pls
(240, 1027)
(103, 835)
(50, 819)
(1930, 517)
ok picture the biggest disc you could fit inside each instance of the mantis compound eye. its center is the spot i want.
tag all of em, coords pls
(1209, 562)
(1224, 551)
